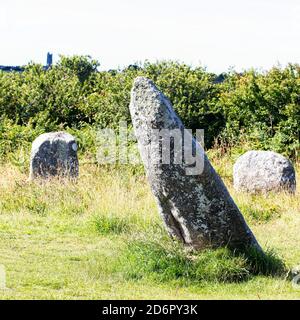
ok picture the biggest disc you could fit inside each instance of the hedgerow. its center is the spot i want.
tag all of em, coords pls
(258, 109)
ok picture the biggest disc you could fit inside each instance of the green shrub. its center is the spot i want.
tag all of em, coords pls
(259, 108)
(263, 109)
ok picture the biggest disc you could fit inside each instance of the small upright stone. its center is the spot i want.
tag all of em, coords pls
(195, 205)
(263, 171)
(54, 154)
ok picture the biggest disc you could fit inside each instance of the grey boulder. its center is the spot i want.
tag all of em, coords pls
(263, 171)
(54, 154)
(196, 208)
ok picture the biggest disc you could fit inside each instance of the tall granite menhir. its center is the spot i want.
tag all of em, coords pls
(196, 208)
(54, 154)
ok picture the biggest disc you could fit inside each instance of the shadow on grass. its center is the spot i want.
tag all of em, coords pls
(265, 263)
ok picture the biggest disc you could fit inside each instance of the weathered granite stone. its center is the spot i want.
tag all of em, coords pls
(54, 154)
(263, 171)
(294, 274)
(295, 271)
(196, 208)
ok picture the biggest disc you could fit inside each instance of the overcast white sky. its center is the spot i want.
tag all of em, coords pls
(217, 34)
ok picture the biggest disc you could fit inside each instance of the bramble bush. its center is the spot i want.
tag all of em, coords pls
(253, 110)
(263, 109)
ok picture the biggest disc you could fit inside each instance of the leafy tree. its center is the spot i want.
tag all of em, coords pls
(82, 66)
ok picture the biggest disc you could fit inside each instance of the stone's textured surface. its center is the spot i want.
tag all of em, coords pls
(54, 154)
(293, 273)
(263, 171)
(197, 209)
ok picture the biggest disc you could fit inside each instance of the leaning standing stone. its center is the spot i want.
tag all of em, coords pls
(263, 171)
(54, 154)
(195, 206)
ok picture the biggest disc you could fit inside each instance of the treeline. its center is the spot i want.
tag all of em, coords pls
(258, 109)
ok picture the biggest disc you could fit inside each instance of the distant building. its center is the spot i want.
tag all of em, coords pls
(49, 59)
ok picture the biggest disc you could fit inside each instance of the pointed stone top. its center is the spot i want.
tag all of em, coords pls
(144, 86)
(151, 107)
(143, 81)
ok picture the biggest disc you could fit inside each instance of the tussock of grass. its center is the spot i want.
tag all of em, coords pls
(259, 210)
(111, 224)
(169, 261)
(114, 223)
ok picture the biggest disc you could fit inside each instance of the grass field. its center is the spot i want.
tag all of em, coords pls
(102, 238)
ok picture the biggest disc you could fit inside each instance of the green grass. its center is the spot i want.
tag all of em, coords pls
(102, 238)
(164, 260)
